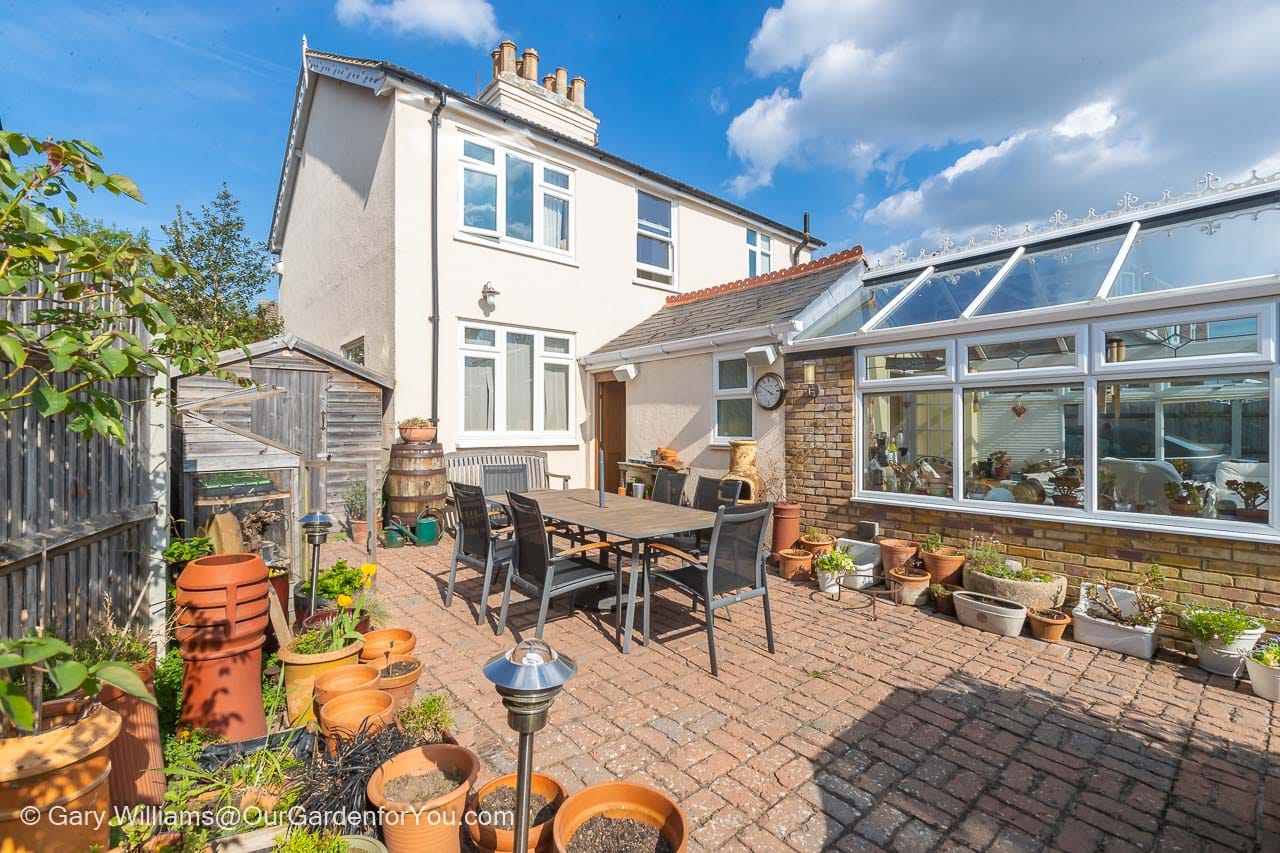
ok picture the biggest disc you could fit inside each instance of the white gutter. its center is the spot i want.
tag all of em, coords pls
(598, 361)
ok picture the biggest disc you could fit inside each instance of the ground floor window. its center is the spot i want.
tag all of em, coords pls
(909, 442)
(515, 382)
(1025, 445)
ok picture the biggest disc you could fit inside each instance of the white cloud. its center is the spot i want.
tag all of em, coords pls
(717, 101)
(1066, 105)
(470, 21)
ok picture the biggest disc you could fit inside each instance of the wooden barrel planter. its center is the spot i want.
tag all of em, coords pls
(415, 479)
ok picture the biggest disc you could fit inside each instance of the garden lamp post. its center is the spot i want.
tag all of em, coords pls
(315, 525)
(528, 678)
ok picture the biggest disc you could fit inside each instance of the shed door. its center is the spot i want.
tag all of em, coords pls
(297, 420)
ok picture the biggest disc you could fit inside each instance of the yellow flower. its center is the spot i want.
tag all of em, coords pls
(344, 600)
(368, 582)
(369, 569)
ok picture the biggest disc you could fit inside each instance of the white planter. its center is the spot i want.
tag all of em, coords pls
(866, 555)
(1134, 640)
(1227, 660)
(1265, 680)
(988, 613)
(829, 582)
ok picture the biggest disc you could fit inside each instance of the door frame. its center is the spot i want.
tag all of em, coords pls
(601, 382)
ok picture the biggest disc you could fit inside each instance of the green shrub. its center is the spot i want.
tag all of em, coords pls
(837, 561)
(426, 718)
(169, 691)
(1208, 625)
(341, 578)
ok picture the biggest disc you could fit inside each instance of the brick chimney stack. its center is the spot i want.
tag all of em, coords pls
(559, 103)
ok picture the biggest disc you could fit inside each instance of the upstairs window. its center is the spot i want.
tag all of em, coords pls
(515, 198)
(759, 253)
(354, 351)
(655, 244)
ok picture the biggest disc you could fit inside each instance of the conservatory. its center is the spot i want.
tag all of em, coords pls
(1116, 370)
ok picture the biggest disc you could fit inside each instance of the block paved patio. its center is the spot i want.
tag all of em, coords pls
(910, 732)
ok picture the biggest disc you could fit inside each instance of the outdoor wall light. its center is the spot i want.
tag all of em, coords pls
(527, 678)
(315, 526)
(488, 295)
(810, 379)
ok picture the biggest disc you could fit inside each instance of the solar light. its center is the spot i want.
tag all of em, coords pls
(528, 678)
(315, 525)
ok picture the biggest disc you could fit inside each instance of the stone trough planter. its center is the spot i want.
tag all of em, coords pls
(1035, 595)
(989, 613)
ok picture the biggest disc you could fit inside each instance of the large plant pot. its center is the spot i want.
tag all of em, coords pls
(794, 563)
(387, 641)
(1048, 625)
(344, 716)
(222, 687)
(1227, 659)
(895, 553)
(622, 799)
(345, 679)
(786, 528)
(492, 839)
(944, 566)
(818, 545)
(1265, 680)
(136, 755)
(65, 768)
(401, 687)
(434, 825)
(417, 435)
(1034, 595)
(988, 613)
(828, 582)
(300, 672)
(1136, 640)
(911, 589)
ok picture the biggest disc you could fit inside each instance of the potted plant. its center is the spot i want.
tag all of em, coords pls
(416, 429)
(830, 567)
(942, 593)
(999, 460)
(1067, 487)
(1048, 624)
(1253, 495)
(989, 572)
(816, 542)
(56, 746)
(398, 675)
(942, 562)
(1263, 664)
(493, 829)
(895, 553)
(302, 839)
(794, 563)
(989, 613)
(385, 642)
(359, 711)
(609, 802)
(336, 588)
(355, 497)
(912, 584)
(425, 790)
(1122, 620)
(326, 647)
(1222, 637)
(1185, 498)
(427, 719)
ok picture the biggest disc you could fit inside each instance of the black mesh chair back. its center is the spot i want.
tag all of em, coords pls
(500, 479)
(668, 486)
(473, 519)
(533, 552)
(704, 494)
(736, 555)
(727, 493)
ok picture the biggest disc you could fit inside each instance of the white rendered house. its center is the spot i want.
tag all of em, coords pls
(475, 247)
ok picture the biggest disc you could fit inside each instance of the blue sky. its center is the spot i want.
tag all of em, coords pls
(894, 123)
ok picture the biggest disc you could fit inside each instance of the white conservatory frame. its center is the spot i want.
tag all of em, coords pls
(1089, 321)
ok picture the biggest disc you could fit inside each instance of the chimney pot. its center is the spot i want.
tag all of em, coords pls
(496, 55)
(549, 82)
(562, 82)
(507, 59)
(578, 91)
(529, 65)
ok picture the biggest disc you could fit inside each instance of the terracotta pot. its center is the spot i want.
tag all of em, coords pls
(622, 799)
(280, 586)
(345, 679)
(222, 688)
(1258, 516)
(417, 435)
(1066, 500)
(895, 553)
(360, 530)
(401, 687)
(794, 563)
(136, 755)
(786, 529)
(912, 589)
(302, 604)
(387, 641)
(491, 839)
(1185, 510)
(1048, 625)
(64, 767)
(209, 637)
(222, 580)
(435, 825)
(300, 673)
(945, 566)
(237, 617)
(818, 545)
(945, 604)
(343, 716)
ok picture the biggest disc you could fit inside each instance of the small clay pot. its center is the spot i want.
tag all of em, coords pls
(794, 563)
(345, 679)
(323, 617)
(433, 825)
(818, 545)
(1185, 510)
(622, 799)
(943, 566)
(895, 553)
(415, 435)
(300, 673)
(1066, 500)
(491, 839)
(1048, 625)
(401, 687)
(345, 715)
(387, 641)
(1258, 516)
(913, 588)
(945, 604)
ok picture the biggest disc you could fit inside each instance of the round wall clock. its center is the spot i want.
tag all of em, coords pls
(769, 391)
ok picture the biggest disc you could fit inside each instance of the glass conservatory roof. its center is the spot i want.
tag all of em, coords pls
(1141, 250)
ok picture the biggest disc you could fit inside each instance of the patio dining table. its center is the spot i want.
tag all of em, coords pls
(628, 518)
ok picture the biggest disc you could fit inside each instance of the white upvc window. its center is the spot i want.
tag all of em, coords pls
(1028, 353)
(515, 198)
(759, 253)
(516, 385)
(655, 240)
(354, 350)
(734, 411)
(1217, 336)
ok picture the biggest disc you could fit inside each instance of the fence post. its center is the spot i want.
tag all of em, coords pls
(157, 537)
(373, 495)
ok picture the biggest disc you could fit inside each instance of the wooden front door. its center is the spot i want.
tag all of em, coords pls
(611, 429)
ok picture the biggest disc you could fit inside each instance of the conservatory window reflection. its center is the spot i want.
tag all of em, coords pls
(1025, 445)
(908, 442)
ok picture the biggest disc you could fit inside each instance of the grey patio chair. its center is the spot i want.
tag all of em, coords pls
(668, 486)
(476, 544)
(732, 572)
(709, 495)
(538, 572)
(500, 479)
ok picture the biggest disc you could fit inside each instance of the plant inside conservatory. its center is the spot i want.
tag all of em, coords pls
(1222, 637)
(1067, 487)
(1185, 498)
(1111, 616)
(989, 572)
(1254, 496)
(1263, 664)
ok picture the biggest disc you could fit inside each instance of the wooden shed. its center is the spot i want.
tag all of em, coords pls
(293, 442)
